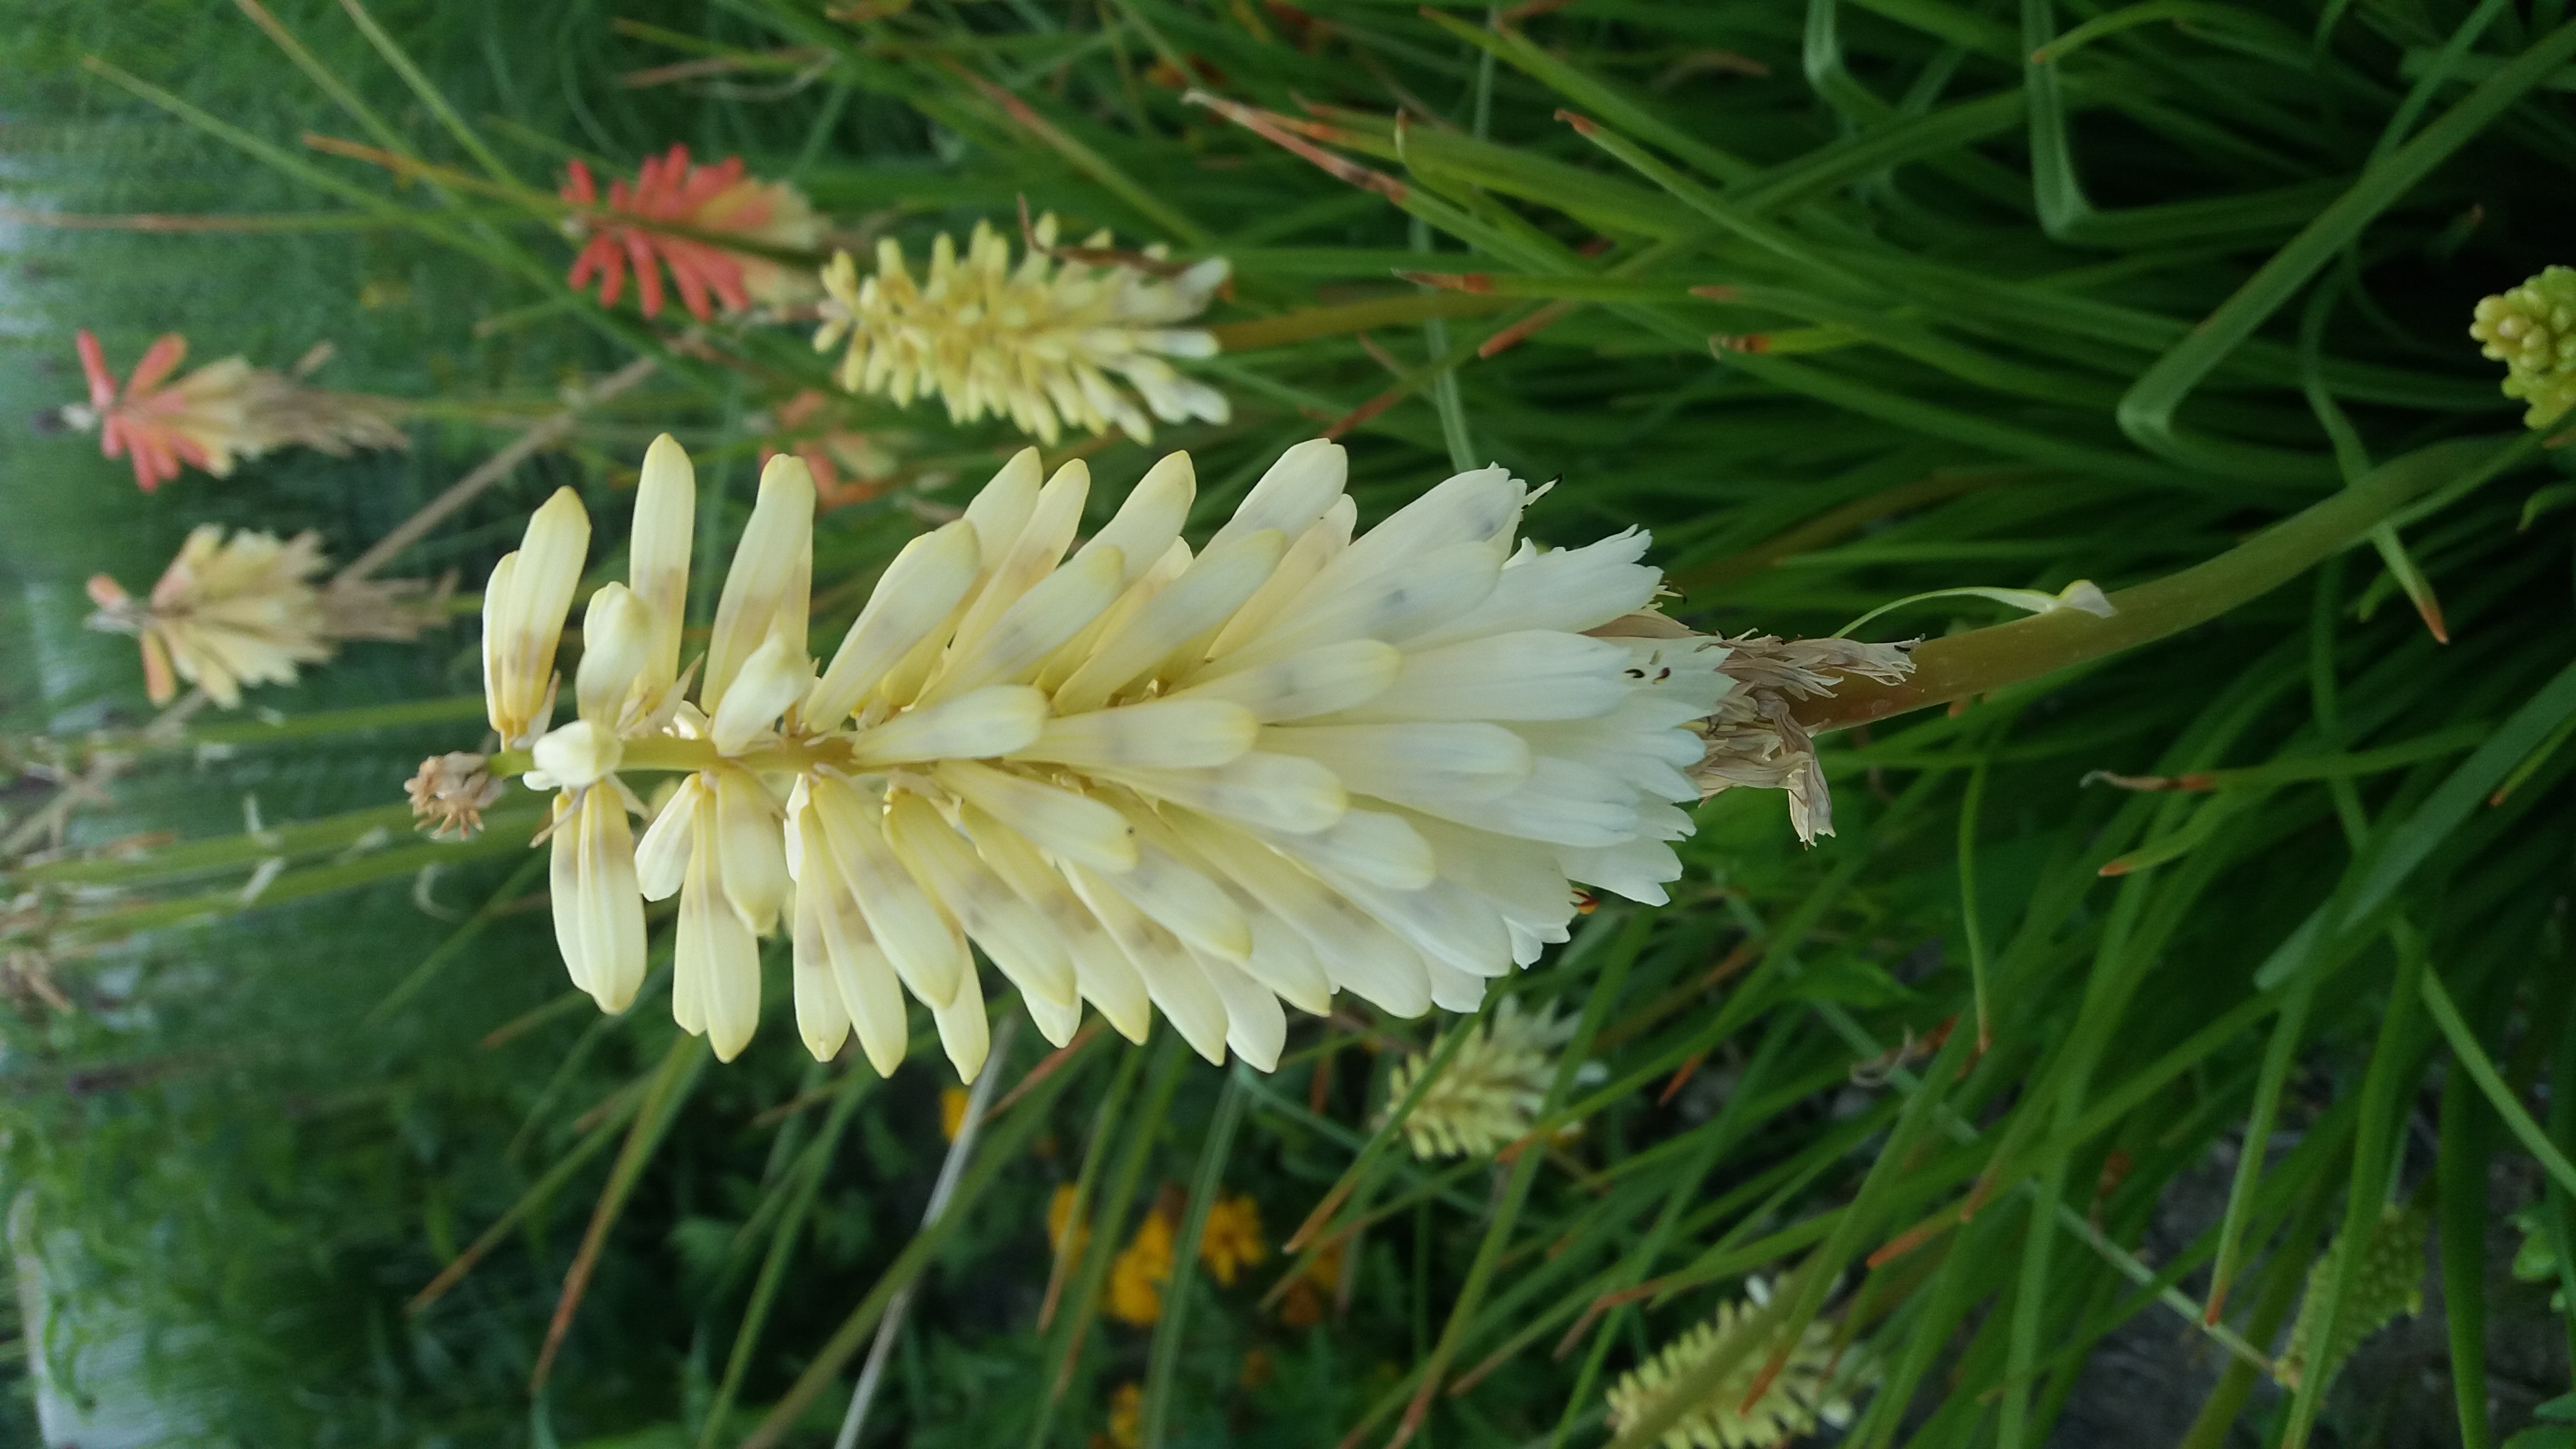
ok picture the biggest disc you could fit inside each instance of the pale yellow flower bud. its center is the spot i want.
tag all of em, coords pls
(599, 917)
(715, 958)
(916, 595)
(523, 617)
(666, 508)
(964, 1034)
(994, 721)
(775, 677)
(754, 850)
(920, 942)
(843, 981)
(579, 755)
(766, 590)
(617, 645)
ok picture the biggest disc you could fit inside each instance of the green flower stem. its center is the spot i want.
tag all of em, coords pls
(1982, 661)
(668, 753)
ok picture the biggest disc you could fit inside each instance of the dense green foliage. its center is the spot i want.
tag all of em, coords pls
(1981, 319)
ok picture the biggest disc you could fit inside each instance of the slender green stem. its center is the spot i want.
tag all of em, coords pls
(1516, 1189)
(2394, 1066)
(428, 92)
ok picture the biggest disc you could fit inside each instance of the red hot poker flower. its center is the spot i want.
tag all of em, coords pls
(659, 220)
(216, 415)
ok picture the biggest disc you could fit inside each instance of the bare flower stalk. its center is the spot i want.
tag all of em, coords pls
(543, 435)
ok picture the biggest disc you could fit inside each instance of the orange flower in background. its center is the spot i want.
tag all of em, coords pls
(1137, 1276)
(1059, 1215)
(848, 466)
(1127, 1415)
(662, 220)
(1231, 1241)
(216, 415)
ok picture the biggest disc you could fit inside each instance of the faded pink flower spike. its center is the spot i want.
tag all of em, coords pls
(216, 415)
(848, 466)
(657, 222)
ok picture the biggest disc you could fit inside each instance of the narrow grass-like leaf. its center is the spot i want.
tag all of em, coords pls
(538, 1194)
(654, 1114)
(418, 978)
(2460, 1169)
(1618, 957)
(1164, 1357)
(799, 1193)
(2473, 1059)
(2147, 412)
(1012, 1134)
(2394, 1064)
(427, 92)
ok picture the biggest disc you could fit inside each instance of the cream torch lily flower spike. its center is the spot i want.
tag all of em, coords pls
(1210, 781)
(1040, 342)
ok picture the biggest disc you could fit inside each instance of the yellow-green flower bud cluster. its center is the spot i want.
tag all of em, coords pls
(2532, 331)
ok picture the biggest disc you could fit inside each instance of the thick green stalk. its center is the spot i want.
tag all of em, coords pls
(1984, 660)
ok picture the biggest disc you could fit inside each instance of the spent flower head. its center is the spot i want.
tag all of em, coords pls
(1754, 738)
(450, 792)
(1037, 342)
(2532, 331)
(676, 216)
(1814, 1386)
(1150, 777)
(217, 415)
(240, 611)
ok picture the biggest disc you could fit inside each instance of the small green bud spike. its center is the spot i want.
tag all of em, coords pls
(2532, 331)
(2391, 1281)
